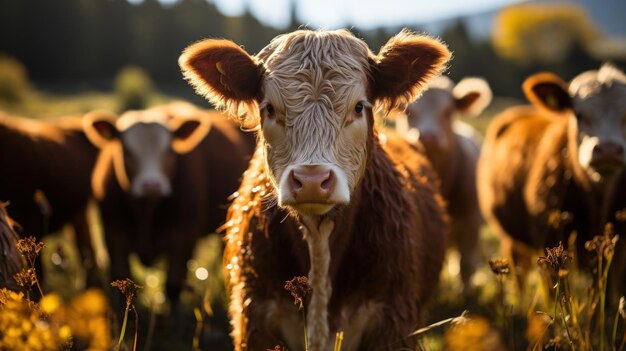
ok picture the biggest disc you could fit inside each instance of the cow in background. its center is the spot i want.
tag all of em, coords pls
(11, 261)
(557, 167)
(162, 181)
(324, 197)
(453, 148)
(46, 177)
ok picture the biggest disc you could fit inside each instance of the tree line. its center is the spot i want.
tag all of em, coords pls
(73, 44)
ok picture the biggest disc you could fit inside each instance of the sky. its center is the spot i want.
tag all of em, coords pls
(366, 14)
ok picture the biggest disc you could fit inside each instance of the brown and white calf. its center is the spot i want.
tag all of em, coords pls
(324, 197)
(452, 148)
(56, 158)
(558, 166)
(162, 181)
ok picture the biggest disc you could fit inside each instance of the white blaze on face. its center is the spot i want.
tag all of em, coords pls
(601, 122)
(429, 119)
(147, 157)
(314, 119)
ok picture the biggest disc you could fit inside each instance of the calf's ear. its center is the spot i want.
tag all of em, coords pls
(548, 91)
(222, 72)
(187, 133)
(472, 96)
(99, 126)
(404, 66)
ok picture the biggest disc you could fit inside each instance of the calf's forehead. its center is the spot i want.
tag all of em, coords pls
(432, 102)
(600, 93)
(146, 138)
(308, 67)
(315, 50)
(602, 101)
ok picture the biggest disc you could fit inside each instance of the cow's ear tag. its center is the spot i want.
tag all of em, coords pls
(106, 133)
(105, 129)
(552, 101)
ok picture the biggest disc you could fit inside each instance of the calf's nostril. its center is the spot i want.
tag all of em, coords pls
(152, 189)
(328, 182)
(295, 183)
(311, 184)
(608, 149)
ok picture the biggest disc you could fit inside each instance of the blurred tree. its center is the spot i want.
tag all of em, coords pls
(195, 20)
(71, 45)
(147, 30)
(116, 40)
(375, 39)
(474, 57)
(541, 33)
(133, 88)
(14, 85)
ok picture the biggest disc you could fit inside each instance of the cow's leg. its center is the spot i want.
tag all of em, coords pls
(259, 341)
(521, 264)
(119, 249)
(466, 233)
(261, 323)
(117, 240)
(387, 334)
(181, 251)
(616, 284)
(82, 235)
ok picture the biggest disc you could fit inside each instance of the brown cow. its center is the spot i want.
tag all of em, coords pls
(453, 148)
(162, 181)
(56, 158)
(324, 197)
(11, 261)
(558, 167)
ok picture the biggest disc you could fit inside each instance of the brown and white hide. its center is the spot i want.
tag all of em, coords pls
(324, 196)
(53, 158)
(453, 148)
(162, 181)
(557, 167)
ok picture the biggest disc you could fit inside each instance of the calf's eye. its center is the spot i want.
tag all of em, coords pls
(270, 110)
(358, 108)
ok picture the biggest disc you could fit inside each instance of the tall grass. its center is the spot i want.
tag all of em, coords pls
(576, 313)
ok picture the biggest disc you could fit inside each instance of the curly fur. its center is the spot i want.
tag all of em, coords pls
(314, 80)
(395, 229)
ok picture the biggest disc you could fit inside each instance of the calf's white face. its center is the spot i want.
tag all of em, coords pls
(148, 159)
(314, 121)
(429, 119)
(149, 142)
(600, 112)
(311, 93)
(597, 100)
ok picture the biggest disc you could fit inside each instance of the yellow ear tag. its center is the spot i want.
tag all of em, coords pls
(552, 101)
(105, 132)
(219, 68)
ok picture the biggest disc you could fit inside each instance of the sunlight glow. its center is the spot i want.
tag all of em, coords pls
(202, 273)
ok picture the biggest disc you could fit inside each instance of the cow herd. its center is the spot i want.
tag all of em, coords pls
(318, 188)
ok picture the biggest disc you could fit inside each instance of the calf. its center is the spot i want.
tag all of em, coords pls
(558, 166)
(453, 148)
(162, 181)
(56, 158)
(324, 197)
